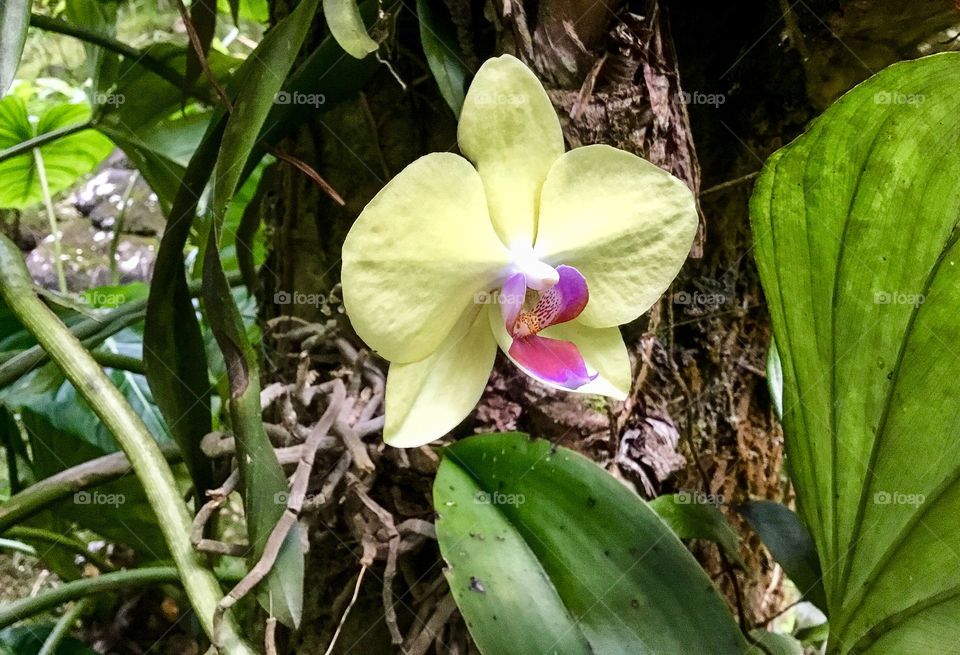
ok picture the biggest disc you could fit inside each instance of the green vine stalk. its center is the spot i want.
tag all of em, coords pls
(131, 434)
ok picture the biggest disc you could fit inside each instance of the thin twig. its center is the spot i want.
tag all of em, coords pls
(343, 618)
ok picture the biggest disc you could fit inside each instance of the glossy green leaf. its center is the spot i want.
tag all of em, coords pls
(346, 26)
(691, 519)
(174, 356)
(790, 544)
(548, 553)
(65, 159)
(14, 21)
(443, 53)
(855, 226)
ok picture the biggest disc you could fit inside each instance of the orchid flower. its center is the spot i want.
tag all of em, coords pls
(540, 251)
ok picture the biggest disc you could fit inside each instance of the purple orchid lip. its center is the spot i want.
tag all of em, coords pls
(550, 360)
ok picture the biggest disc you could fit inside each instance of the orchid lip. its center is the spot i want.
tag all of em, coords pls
(550, 360)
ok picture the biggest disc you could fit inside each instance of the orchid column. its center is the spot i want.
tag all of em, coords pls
(540, 251)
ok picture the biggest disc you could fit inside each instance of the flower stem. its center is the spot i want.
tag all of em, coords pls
(131, 434)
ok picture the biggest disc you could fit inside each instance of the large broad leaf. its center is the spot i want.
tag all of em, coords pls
(548, 553)
(856, 241)
(64, 432)
(64, 160)
(14, 20)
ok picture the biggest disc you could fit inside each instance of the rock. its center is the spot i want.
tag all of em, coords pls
(101, 198)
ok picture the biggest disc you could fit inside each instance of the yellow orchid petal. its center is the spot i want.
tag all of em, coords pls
(416, 256)
(602, 350)
(426, 399)
(509, 129)
(624, 223)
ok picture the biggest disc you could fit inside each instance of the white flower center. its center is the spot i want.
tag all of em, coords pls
(540, 276)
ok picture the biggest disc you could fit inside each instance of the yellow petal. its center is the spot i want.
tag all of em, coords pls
(602, 350)
(416, 256)
(624, 223)
(509, 129)
(426, 399)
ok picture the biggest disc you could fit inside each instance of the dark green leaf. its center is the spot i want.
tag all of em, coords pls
(264, 483)
(443, 54)
(548, 553)
(174, 356)
(691, 519)
(203, 15)
(790, 544)
(28, 640)
(14, 21)
(262, 79)
(856, 241)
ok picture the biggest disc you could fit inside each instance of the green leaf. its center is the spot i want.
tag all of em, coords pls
(264, 483)
(28, 640)
(65, 159)
(697, 520)
(790, 544)
(203, 15)
(855, 226)
(776, 644)
(443, 55)
(346, 26)
(262, 79)
(548, 553)
(174, 356)
(14, 21)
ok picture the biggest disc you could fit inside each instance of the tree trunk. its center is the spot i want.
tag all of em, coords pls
(653, 78)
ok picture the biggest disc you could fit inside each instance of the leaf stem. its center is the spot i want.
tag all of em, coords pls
(52, 218)
(32, 605)
(118, 228)
(62, 627)
(131, 434)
